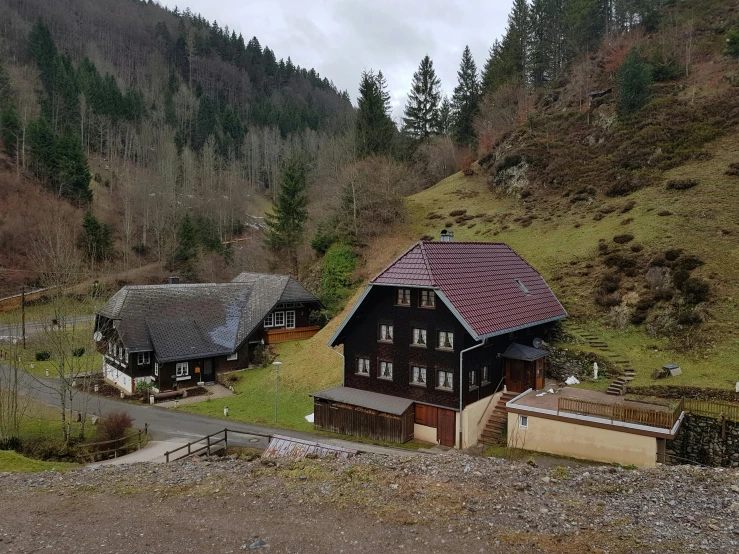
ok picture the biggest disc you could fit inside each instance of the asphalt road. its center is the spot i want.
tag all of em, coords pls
(166, 424)
(9, 330)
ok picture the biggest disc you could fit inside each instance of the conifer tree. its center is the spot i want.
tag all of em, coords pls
(42, 148)
(634, 81)
(187, 241)
(72, 173)
(374, 128)
(10, 125)
(286, 225)
(421, 116)
(465, 100)
(446, 117)
(97, 239)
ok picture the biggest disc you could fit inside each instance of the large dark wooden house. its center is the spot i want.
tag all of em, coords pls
(177, 335)
(433, 337)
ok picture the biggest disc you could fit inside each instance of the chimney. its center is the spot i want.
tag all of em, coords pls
(174, 279)
(447, 235)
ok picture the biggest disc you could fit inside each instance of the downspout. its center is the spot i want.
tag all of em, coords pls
(461, 375)
(343, 364)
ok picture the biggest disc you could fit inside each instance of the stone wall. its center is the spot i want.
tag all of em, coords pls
(707, 441)
(677, 391)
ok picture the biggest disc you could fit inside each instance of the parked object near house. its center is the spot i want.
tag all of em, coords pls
(433, 340)
(592, 425)
(181, 334)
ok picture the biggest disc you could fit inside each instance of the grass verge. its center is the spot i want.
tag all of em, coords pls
(13, 462)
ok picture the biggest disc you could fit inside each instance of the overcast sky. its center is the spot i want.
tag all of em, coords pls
(340, 38)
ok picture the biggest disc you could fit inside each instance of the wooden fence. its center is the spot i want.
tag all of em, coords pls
(712, 408)
(622, 412)
(103, 449)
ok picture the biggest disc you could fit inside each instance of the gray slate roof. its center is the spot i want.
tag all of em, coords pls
(366, 399)
(188, 321)
(522, 352)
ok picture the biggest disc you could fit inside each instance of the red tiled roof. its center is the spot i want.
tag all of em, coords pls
(479, 280)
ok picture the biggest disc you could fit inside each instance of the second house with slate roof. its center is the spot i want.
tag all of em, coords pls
(433, 338)
(179, 335)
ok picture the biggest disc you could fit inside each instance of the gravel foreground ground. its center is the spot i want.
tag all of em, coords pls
(446, 503)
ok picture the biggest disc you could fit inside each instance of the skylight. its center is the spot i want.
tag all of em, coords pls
(522, 287)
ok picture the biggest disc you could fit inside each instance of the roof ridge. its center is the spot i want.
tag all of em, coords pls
(426, 264)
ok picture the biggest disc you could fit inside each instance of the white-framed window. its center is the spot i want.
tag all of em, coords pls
(110, 348)
(144, 358)
(444, 380)
(386, 370)
(232, 357)
(156, 369)
(523, 421)
(120, 353)
(419, 337)
(404, 297)
(362, 366)
(418, 375)
(279, 319)
(289, 305)
(428, 299)
(269, 321)
(290, 319)
(182, 369)
(386, 332)
(473, 379)
(484, 374)
(445, 340)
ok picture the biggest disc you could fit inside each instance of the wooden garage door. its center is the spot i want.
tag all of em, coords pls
(445, 428)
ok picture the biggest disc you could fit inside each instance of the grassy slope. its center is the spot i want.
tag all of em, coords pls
(12, 461)
(562, 251)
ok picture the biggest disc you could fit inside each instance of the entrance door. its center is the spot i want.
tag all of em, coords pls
(514, 375)
(445, 427)
(540, 374)
(208, 373)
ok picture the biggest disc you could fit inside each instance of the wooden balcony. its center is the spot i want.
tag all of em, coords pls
(274, 336)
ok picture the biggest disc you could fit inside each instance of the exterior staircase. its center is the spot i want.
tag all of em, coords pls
(618, 386)
(497, 425)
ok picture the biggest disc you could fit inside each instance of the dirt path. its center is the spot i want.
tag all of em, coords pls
(448, 503)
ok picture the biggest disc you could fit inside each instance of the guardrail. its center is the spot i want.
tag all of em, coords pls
(212, 444)
(116, 445)
(620, 412)
(712, 408)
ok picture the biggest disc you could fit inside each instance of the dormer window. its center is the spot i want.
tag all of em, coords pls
(522, 287)
(404, 297)
(428, 299)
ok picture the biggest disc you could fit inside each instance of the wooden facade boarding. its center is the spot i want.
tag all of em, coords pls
(346, 419)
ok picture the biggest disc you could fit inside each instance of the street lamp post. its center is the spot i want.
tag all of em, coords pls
(277, 384)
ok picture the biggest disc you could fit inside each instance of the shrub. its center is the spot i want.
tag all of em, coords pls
(663, 295)
(672, 254)
(457, 213)
(690, 262)
(636, 248)
(638, 317)
(78, 352)
(628, 206)
(623, 238)
(664, 213)
(608, 300)
(732, 42)
(695, 290)
(43, 355)
(512, 160)
(467, 165)
(623, 187)
(679, 278)
(610, 282)
(144, 386)
(338, 265)
(689, 317)
(733, 170)
(322, 241)
(644, 303)
(114, 425)
(681, 184)
(620, 261)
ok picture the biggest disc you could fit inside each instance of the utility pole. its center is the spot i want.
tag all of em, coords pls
(23, 315)
(277, 384)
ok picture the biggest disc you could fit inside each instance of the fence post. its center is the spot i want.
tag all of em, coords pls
(139, 448)
(225, 440)
(207, 441)
(166, 456)
(188, 448)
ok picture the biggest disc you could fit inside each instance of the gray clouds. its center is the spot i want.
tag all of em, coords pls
(340, 38)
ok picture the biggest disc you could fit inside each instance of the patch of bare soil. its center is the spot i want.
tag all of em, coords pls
(445, 503)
